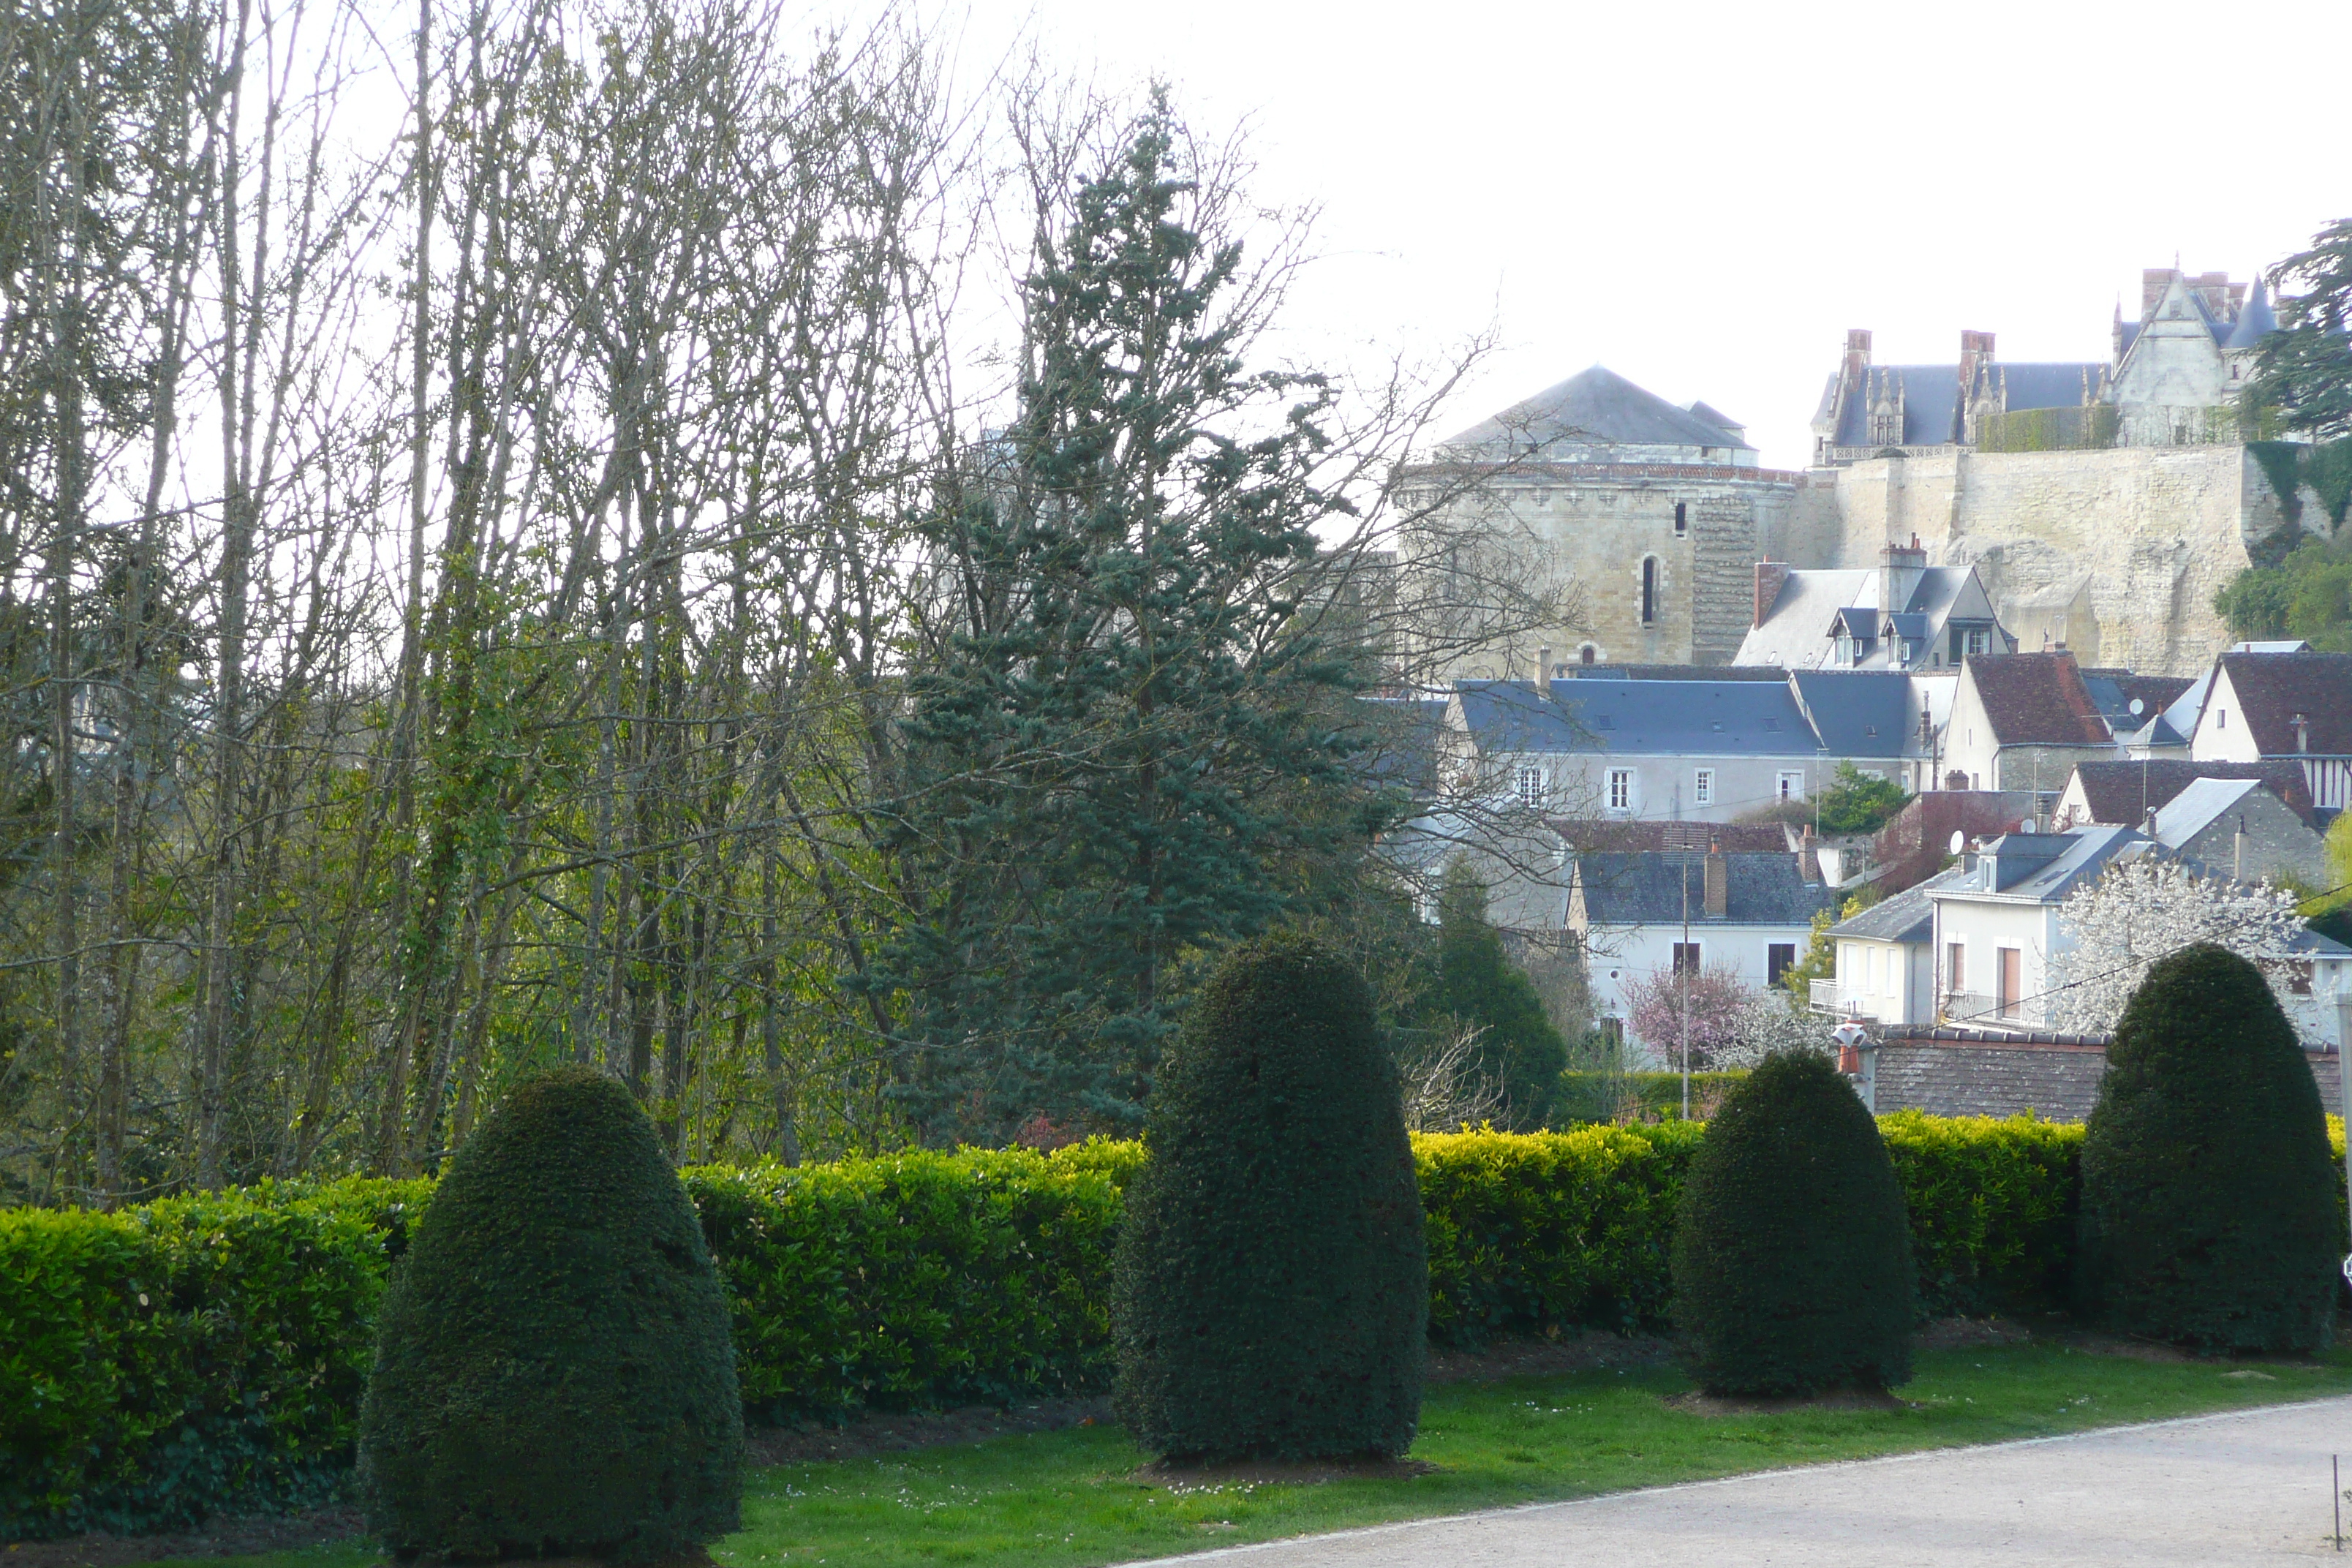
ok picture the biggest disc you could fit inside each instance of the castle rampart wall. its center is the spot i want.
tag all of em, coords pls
(2115, 553)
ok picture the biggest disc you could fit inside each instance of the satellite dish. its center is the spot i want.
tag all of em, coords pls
(2137, 708)
(1959, 840)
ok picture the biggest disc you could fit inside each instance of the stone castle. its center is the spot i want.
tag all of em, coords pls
(2102, 504)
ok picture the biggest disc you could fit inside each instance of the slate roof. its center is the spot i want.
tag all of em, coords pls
(2112, 791)
(2036, 700)
(1908, 916)
(2115, 690)
(1930, 391)
(1859, 712)
(1798, 627)
(2273, 686)
(1646, 889)
(2084, 857)
(1707, 718)
(1619, 835)
(2194, 809)
(1595, 407)
(1716, 416)
(2049, 384)
(2255, 319)
(1669, 672)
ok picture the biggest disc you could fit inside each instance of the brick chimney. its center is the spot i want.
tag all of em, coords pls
(1770, 576)
(1857, 352)
(1809, 856)
(1718, 882)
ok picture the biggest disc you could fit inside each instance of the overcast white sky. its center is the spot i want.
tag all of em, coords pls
(1705, 196)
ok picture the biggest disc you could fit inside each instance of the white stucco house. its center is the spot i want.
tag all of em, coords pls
(1643, 912)
(1986, 950)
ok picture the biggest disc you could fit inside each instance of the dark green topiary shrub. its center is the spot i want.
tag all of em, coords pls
(554, 1374)
(1792, 1255)
(1271, 1281)
(2208, 1193)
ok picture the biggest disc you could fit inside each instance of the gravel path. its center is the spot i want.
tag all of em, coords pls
(2248, 1488)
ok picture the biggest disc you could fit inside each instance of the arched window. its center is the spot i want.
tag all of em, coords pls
(1649, 589)
(1587, 654)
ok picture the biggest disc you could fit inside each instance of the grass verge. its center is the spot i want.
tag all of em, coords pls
(1067, 1499)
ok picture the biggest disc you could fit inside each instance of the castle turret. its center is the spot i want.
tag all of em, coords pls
(2255, 321)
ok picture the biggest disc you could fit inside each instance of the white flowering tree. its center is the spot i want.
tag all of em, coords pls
(1772, 1021)
(1732, 1025)
(2139, 910)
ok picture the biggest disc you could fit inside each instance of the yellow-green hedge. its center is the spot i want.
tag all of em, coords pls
(160, 1364)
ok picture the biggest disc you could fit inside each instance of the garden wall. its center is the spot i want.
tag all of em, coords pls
(200, 1353)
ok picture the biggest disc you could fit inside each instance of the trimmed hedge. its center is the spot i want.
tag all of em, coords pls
(914, 1280)
(1534, 1233)
(920, 1279)
(1270, 1285)
(160, 1365)
(554, 1365)
(1792, 1249)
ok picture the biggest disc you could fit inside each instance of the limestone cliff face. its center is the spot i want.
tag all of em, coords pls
(2115, 553)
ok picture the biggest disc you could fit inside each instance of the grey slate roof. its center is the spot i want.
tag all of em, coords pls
(2192, 811)
(2113, 692)
(1799, 631)
(1645, 888)
(1908, 916)
(2086, 855)
(1858, 712)
(2256, 321)
(1930, 393)
(1713, 718)
(1596, 407)
(1716, 416)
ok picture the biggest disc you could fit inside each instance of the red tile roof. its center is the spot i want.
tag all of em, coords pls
(2273, 687)
(2037, 699)
(2124, 791)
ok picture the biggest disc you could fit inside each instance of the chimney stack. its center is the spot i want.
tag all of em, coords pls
(1718, 882)
(1543, 672)
(1857, 352)
(1770, 576)
(2238, 852)
(2302, 723)
(1809, 856)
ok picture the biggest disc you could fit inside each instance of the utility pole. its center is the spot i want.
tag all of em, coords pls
(1681, 976)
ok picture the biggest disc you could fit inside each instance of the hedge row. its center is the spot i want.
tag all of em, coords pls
(164, 1363)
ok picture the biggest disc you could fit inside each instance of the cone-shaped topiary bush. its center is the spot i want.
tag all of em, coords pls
(553, 1373)
(1271, 1281)
(2208, 1192)
(1792, 1253)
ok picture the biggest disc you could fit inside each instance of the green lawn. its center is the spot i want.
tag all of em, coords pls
(1064, 1498)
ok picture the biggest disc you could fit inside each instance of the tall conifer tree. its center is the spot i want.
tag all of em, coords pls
(1139, 727)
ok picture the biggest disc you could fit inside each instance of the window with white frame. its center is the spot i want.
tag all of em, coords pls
(1620, 789)
(1792, 784)
(1703, 788)
(1531, 786)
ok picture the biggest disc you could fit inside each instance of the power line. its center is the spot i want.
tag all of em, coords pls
(2299, 905)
